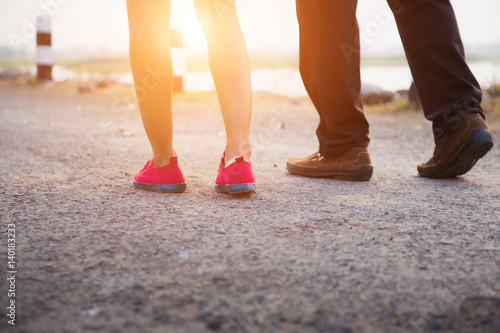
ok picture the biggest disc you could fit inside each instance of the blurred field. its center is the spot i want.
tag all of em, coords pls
(106, 67)
(121, 65)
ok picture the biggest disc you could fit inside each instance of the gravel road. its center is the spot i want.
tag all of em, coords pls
(94, 254)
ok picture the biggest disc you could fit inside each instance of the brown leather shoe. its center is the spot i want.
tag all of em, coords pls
(460, 152)
(355, 164)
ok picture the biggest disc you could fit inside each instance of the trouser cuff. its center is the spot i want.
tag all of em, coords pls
(450, 120)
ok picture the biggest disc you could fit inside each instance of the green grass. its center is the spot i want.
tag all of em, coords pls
(402, 104)
(491, 100)
(15, 62)
(490, 104)
(121, 64)
(104, 65)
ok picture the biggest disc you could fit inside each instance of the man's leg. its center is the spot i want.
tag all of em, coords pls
(449, 92)
(329, 65)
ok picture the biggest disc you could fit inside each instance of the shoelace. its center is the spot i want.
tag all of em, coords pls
(320, 158)
(148, 163)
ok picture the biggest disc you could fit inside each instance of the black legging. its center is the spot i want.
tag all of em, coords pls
(330, 61)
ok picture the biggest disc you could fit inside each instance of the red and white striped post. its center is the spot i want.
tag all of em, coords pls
(44, 55)
(178, 58)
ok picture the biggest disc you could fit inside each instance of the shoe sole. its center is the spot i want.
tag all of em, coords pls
(363, 174)
(479, 145)
(236, 188)
(165, 188)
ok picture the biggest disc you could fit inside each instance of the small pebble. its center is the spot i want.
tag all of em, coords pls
(85, 87)
(221, 231)
(126, 133)
(214, 324)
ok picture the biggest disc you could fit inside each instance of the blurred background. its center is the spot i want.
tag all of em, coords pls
(90, 36)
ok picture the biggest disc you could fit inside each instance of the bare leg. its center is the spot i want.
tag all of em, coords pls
(151, 65)
(230, 68)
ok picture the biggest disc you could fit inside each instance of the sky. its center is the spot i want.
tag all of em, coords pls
(99, 27)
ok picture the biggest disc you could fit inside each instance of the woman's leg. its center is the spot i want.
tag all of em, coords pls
(151, 65)
(231, 71)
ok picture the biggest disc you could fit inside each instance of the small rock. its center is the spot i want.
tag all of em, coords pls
(90, 312)
(126, 133)
(413, 94)
(494, 91)
(374, 98)
(72, 327)
(85, 87)
(186, 254)
(215, 324)
(367, 88)
(403, 92)
(221, 231)
(102, 83)
(279, 125)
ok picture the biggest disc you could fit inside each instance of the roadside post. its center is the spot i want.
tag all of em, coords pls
(44, 55)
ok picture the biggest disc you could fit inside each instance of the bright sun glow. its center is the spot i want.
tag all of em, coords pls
(184, 17)
(193, 35)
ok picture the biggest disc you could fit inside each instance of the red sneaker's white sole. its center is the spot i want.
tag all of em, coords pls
(165, 188)
(236, 188)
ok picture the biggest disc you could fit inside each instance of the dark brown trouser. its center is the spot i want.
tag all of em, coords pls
(330, 60)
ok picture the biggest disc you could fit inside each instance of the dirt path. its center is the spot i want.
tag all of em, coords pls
(94, 254)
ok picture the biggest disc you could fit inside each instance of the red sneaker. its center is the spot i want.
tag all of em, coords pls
(236, 177)
(166, 179)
